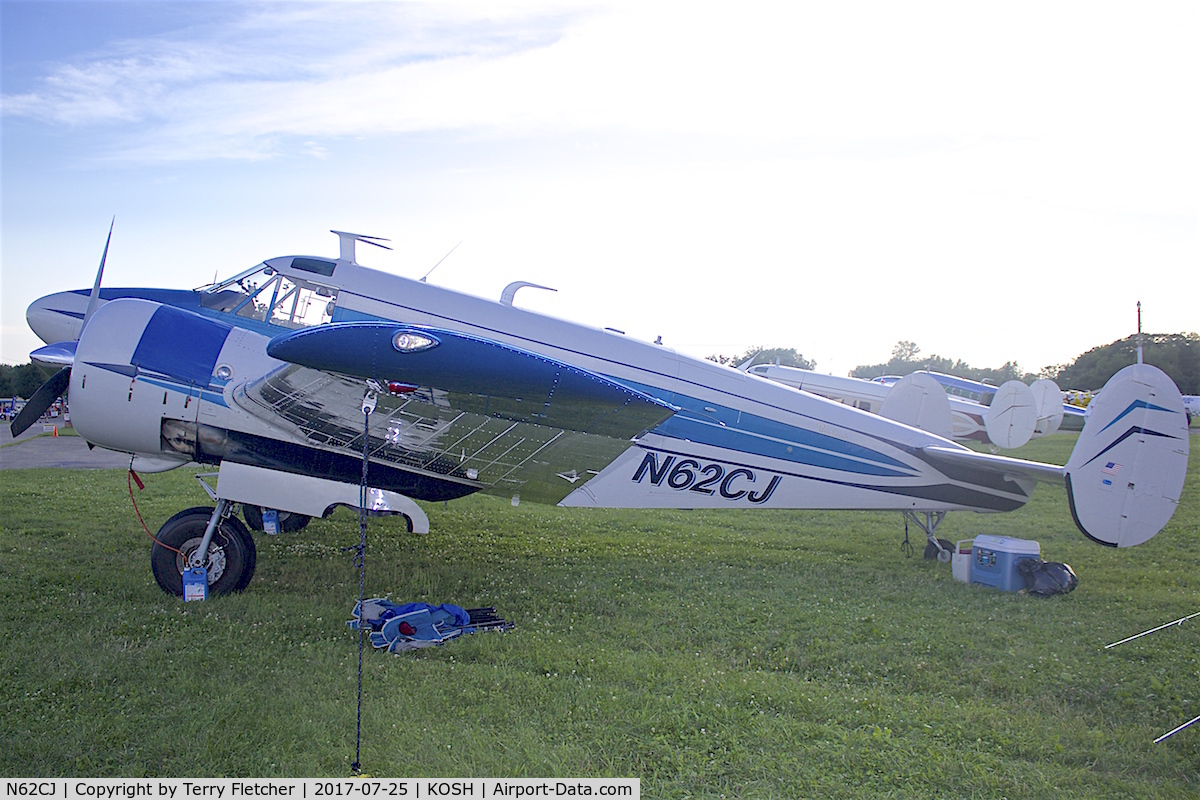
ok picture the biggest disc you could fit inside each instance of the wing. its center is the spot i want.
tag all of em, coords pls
(487, 415)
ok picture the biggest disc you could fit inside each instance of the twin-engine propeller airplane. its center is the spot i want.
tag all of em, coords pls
(291, 374)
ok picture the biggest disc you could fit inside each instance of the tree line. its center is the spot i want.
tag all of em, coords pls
(1177, 354)
(906, 358)
(21, 381)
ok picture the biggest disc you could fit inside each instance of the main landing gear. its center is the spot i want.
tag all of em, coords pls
(226, 551)
(214, 538)
(941, 549)
(204, 537)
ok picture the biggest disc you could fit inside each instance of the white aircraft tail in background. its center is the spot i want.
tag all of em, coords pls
(1012, 414)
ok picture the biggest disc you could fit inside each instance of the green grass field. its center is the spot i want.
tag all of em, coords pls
(711, 654)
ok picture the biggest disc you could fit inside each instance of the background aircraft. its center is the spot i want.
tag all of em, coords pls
(957, 386)
(1191, 404)
(294, 373)
(1021, 412)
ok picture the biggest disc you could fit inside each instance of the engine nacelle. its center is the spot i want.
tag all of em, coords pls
(147, 377)
(128, 375)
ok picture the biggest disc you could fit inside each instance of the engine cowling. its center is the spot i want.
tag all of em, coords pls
(141, 373)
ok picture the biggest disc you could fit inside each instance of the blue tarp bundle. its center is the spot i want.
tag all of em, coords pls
(396, 627)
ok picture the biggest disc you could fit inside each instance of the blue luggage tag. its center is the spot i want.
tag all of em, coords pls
(195, 584)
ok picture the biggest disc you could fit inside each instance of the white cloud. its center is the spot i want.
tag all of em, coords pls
(921, 169)
(281, 71)
(758, 72)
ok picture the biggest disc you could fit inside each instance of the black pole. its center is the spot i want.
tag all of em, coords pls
(361, 562)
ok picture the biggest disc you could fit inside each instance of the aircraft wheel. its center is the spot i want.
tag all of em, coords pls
(288, 522)
(943, 555)
(231, 554)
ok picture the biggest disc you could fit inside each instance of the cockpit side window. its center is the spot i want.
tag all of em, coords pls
(267, 295)
(300, 304)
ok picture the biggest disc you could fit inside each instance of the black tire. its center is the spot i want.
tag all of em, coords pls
(933, 554)
(288, 522)
(231, 555)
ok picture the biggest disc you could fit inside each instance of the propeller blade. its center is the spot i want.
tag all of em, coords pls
(46, 394)
(94, 299)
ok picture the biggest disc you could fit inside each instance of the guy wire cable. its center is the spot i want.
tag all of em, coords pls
(360, 561)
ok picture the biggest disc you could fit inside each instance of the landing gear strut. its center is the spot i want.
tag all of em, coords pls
(941, 549)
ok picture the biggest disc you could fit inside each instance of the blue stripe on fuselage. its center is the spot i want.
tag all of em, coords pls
(760, 436)
(186, 299)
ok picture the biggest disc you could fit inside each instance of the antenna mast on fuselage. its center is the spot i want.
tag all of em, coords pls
(1139, 354)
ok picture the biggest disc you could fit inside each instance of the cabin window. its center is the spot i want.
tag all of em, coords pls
(317, 265)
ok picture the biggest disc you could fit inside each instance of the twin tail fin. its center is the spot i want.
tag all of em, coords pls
(1125, 475)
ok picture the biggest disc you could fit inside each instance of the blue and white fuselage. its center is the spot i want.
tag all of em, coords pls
(270, 370)
(736, 440)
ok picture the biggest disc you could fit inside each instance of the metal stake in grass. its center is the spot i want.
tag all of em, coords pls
(1179, 621)
(1169, 734)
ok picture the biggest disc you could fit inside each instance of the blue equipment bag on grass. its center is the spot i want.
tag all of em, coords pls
(397, 627)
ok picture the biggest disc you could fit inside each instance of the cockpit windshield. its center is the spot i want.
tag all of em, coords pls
(267, 295)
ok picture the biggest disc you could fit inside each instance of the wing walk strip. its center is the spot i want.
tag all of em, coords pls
(433, 431)
(382, 452)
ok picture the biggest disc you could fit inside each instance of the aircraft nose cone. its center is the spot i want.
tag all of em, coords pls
(57, 317)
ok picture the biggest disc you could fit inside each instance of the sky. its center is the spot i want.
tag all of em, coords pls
(993, 182)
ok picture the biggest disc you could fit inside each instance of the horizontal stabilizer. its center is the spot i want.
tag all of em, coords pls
(1125, 476)
(957, 460)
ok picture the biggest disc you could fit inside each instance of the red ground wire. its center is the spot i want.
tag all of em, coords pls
(132, 476)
